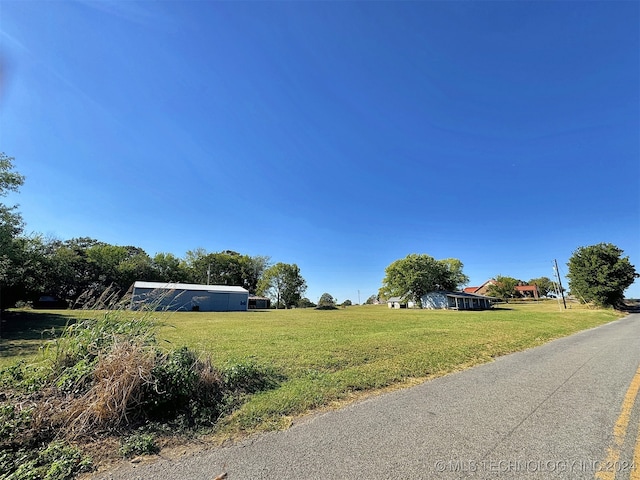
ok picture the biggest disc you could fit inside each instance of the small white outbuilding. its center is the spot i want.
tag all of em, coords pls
(399, 302)
(188, 297)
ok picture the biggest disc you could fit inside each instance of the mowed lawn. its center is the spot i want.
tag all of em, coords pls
(332, 356)
(325, 357)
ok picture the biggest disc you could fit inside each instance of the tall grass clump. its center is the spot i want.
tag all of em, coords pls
(108, 376)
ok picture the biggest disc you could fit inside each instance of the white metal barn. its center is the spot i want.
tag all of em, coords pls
(189, 297)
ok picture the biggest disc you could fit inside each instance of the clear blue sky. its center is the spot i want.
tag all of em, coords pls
(340, 136)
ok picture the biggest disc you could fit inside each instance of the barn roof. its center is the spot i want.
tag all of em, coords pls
(394, 299)
(190, 286)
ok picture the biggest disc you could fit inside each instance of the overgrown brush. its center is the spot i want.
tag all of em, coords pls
(116, 390)
(107, 376)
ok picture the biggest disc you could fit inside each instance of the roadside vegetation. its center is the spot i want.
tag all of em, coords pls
(108, 378)
(135, 379)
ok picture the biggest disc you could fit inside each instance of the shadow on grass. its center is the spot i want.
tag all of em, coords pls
(25, 325)
(19, 349)
(23, 333)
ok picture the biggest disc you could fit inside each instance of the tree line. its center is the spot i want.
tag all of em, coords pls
(505, 287)
(598, 274)
(78, 270)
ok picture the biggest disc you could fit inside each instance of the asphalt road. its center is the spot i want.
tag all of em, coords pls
(565, 410)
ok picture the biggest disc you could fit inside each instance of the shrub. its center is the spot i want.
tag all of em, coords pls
(326, 302)
(56, 461)
(138, 444)
(175, 376)
(248, 377)
(107, 376)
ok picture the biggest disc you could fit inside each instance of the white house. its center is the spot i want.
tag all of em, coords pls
(456, 301)
(188, 297)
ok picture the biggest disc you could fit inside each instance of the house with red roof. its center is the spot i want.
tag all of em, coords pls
(530, 291)
(482, 289)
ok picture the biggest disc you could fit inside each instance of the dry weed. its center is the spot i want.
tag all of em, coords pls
(119, 379)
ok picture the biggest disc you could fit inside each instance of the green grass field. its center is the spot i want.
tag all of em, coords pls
(328, 357)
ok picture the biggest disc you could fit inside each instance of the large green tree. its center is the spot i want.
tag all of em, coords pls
(166, 267)
(454, 277)
(225, 268)
(283, 283)
(31, 266)
(11, 225)
(503, 287)
(417, 274)
(80, 269)
(600, 274)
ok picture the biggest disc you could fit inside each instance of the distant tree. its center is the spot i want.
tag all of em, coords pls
(415, 275)
(221, 268)
(305, 303)
(105, 260)
(347, 303)
(282, 283)
(84, 268)
(600, 274)
(116, 267)
(225, 268)
(252, 270)
(544, 284)
(371, 300)
(326, 301)
(166, 267)
(71, 272)
(136, 265)
(504, 287)
(27, 272)
(195, 265)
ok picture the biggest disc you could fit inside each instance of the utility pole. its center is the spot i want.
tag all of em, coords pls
(208, 274)
(556, 291)
(559, 283)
